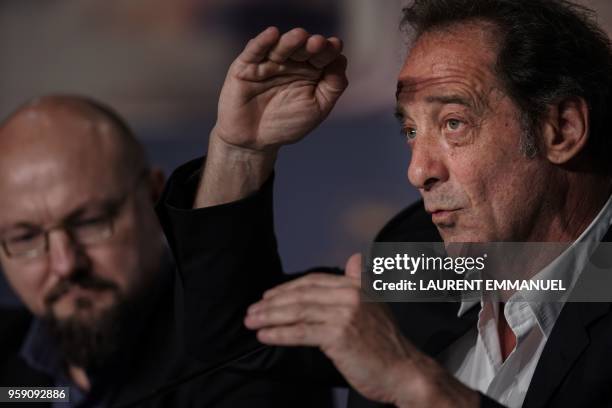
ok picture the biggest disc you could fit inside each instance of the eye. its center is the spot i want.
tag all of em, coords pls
(453, 124)
(23, 237)
(409, 132)
(91, 221)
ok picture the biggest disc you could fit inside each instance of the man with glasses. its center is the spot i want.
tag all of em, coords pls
(83, 250)
(31, 242)
(80, 243)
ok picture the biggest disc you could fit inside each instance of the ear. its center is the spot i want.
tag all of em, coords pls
(157, 179)
(566, 130)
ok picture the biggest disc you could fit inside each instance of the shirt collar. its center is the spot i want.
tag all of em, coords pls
(566, 267)
(40, 351)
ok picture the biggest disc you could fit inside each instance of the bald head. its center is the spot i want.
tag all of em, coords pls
(68, 123)
(78, 204)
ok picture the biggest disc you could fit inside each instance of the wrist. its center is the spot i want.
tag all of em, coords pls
(430, 385)
(232, 172)
(224, 152)
(409, 384)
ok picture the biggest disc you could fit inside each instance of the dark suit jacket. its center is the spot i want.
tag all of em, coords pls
(195, 351)
(159, 372)
(227, 256)
(574, 368)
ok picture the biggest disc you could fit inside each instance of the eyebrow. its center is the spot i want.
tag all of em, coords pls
(401, 113)
(450, 99)
(107, 206)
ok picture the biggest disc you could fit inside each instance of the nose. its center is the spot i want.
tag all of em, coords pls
(427, 165)
(64, 253)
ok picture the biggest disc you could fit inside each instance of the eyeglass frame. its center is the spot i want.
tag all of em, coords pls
(64, 225)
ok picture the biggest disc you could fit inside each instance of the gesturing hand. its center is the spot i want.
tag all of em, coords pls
(361, 339)
(279, 89)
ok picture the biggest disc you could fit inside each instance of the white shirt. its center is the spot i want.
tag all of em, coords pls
(475, 358)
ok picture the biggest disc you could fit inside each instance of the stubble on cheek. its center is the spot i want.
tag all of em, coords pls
(479, 188)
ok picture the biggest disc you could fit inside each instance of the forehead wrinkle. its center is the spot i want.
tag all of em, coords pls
(452, 99)
(446, 90)
(461, 60)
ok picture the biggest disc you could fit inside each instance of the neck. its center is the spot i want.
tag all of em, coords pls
(578, 199)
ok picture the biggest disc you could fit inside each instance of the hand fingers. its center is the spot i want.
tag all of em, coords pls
(353, 267)
(295, 45)
(312, 279)
(289, 43)
(327, 54)
(318, 45)
(257, 49)
(300, 55)
(336, 43)
(332, 84)
(314, 44)
(295, 335)
(293, 314)
(349, 296)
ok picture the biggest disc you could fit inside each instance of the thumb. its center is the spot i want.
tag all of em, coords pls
(353, 267)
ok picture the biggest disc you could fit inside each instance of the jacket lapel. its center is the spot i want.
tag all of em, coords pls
(567, 341)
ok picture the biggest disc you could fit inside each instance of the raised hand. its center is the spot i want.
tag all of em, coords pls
(280, 88)
(276, 91)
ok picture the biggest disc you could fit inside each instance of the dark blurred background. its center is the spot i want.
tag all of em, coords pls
(161, 64)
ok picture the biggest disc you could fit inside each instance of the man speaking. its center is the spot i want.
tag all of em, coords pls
(504, 105)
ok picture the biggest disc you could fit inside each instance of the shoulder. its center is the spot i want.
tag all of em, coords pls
(14, 326)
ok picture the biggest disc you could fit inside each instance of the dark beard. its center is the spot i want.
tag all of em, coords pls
(92, 339)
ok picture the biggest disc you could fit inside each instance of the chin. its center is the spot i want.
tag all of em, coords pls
(458, 235)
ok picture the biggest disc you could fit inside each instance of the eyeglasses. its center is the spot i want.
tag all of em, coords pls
(33, 243)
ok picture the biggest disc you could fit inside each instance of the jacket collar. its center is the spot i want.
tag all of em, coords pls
(569, 338)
